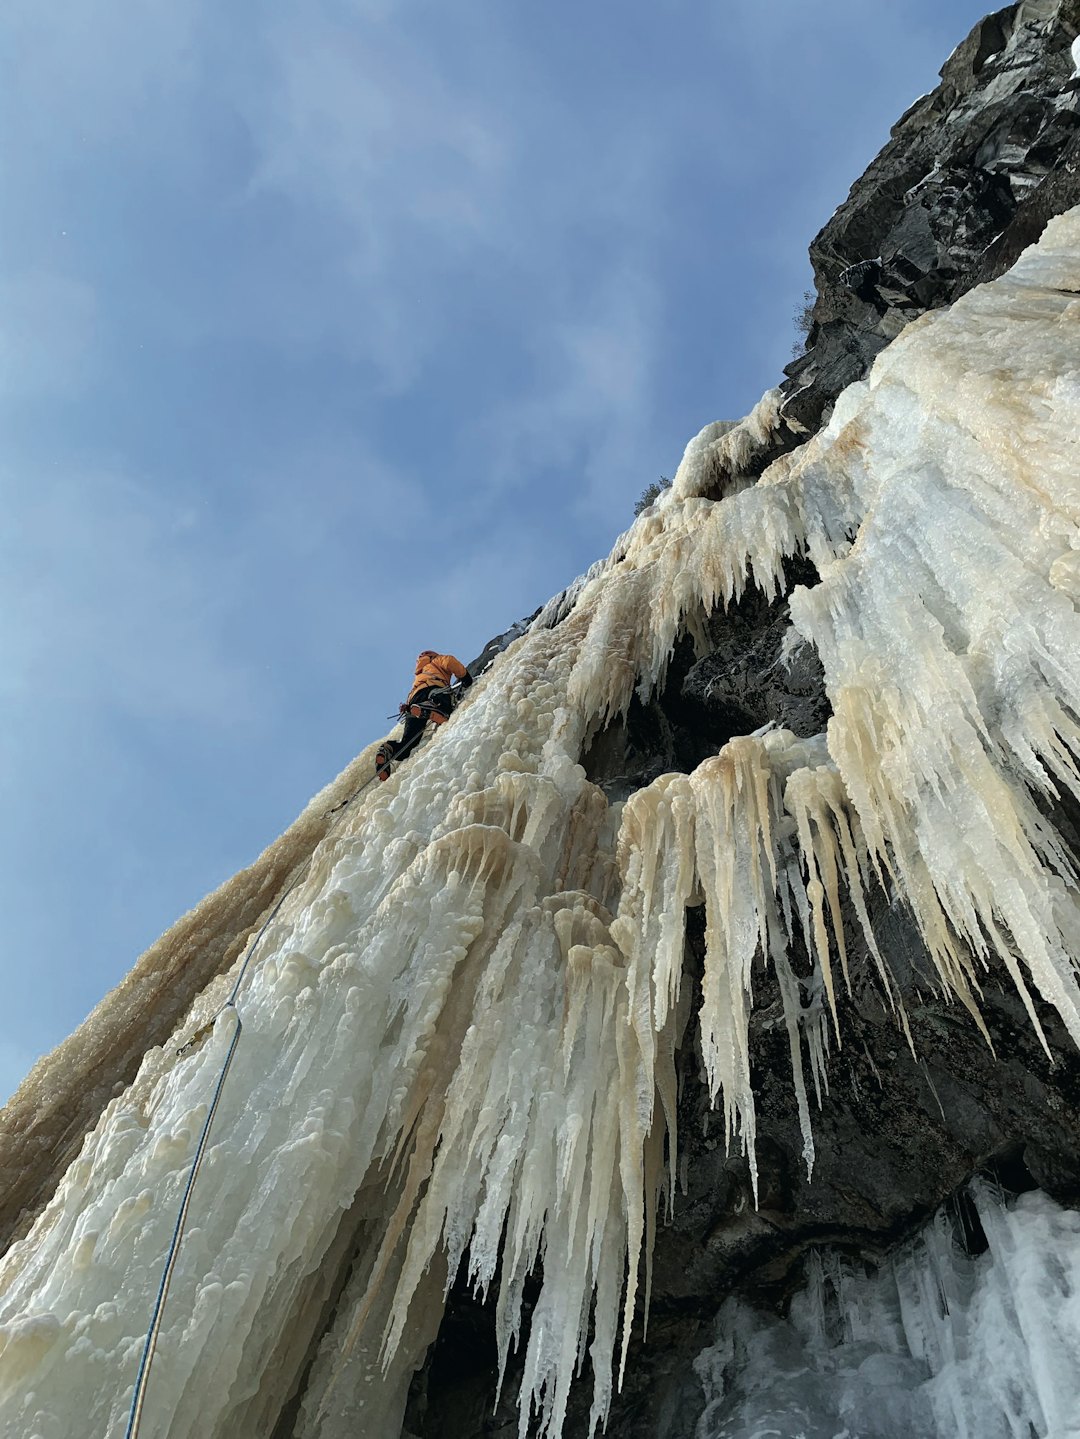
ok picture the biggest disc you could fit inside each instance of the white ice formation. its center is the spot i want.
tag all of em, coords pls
(460, 1032)
(934, 1344)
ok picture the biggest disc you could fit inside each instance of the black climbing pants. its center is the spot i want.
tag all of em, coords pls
(414, 727)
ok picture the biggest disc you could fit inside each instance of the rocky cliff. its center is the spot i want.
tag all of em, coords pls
(970, 176)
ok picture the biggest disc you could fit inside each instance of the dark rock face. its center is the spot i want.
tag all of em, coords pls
(970, 176)
(751, 681)
(744, 681)
(495, 646)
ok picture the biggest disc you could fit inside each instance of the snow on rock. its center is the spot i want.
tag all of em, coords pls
(460, 1030)
(726, 449)
(934, 1343)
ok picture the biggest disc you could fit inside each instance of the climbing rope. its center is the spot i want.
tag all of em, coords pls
(150, 1345)
(138, 1399)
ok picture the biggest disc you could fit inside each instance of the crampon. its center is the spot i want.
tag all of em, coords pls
(384, 758)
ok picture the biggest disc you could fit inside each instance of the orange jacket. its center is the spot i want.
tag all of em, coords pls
(433, 669)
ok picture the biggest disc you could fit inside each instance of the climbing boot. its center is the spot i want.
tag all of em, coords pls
(384, 756)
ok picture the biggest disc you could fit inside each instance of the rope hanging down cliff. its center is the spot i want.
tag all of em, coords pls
(138, 1398)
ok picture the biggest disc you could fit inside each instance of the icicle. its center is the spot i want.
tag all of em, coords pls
(931, 1342)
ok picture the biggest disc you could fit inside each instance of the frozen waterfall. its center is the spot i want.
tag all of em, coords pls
(460, 1032)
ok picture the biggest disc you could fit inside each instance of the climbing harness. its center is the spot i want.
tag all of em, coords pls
(394, 751)
(138, 1398)
(414, 707)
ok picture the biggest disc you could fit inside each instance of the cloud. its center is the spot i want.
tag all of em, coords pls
(407, 180)
(360, 120)
(396, 165)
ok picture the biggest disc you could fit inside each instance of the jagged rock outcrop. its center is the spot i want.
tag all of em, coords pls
(970, 176)
(498, 643)
(744, 681)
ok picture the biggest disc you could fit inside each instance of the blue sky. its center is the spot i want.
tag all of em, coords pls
(333, 332)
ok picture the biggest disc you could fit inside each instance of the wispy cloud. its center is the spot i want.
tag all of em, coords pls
(358, 126)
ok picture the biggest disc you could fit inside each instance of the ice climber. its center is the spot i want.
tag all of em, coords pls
(431, 697)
